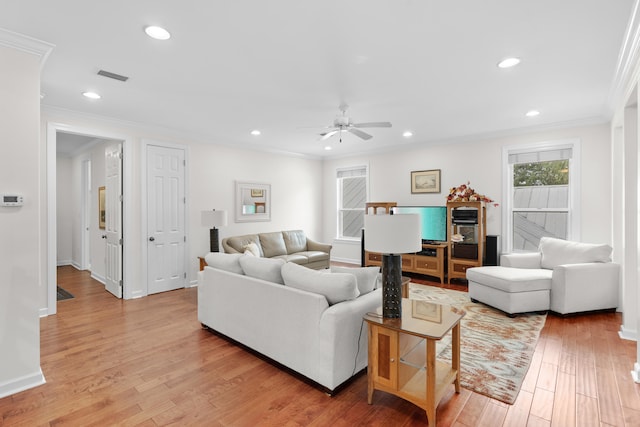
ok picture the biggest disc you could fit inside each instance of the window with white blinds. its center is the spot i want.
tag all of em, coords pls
(352, 196)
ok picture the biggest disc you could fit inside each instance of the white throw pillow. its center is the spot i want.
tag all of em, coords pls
(263, 268)
(366, 277)
(557, 252)
(223, 261)
(251, 248)
(336, 287)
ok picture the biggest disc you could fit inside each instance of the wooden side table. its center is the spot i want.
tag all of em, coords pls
(203, 263)
(402, 354)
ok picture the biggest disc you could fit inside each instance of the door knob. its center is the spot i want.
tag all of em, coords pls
(151, 239)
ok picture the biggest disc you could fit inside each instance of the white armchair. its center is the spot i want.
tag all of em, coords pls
(582, 278)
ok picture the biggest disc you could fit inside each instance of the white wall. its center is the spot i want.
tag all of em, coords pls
(65, 210)
(20, 250)
(296, 190)
(480, 162)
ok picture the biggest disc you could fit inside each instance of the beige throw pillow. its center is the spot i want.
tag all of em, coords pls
(252, 249)
(366, 277)
(336, 287)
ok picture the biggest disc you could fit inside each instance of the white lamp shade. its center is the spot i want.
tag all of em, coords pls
(392, 234)
(213, 218)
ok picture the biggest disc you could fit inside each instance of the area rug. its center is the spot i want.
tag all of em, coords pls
(495, 350)
(62, 295)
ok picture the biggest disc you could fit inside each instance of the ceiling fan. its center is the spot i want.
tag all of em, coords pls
(345, 124)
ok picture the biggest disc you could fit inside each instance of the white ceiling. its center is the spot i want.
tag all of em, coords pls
(284, 66)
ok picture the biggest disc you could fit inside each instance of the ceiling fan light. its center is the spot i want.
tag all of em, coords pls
(255, 132)
(91, 95)
(407, 134)
(532, 113)
(328, 147)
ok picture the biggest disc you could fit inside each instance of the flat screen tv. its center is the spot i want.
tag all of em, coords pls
(433, 221)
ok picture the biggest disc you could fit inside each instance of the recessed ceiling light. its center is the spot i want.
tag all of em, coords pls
(407, 134)
(255, 132)
(328, 148)
(532, 113)
(508, 62)
(91, 95)
(157, 33)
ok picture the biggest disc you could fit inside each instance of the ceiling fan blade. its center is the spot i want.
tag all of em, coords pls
(327, 135)
(360, 133)
(372, 125)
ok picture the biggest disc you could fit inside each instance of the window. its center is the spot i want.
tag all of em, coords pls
(542, 189)
(352, 196)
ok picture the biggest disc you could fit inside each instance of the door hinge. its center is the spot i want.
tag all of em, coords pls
(185, 274)
(185, 238)
(120, 242)
(121, 198)
(120, 283)
(184, 200)
(184, 162)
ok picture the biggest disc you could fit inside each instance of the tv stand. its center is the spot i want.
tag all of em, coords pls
(431, 261)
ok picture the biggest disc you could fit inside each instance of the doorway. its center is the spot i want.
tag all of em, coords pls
(88, 209)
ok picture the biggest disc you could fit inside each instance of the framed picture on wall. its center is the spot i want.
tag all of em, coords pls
(102, 213)
(425, 181)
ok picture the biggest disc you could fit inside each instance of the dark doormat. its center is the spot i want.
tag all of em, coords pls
(62, 294)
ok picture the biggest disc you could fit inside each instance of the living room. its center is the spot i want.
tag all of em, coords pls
(303, 192)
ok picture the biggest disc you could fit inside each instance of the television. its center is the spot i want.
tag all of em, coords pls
(433, 221)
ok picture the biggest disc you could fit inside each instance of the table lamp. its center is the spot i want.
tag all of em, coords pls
(213, 219)
(392, 235)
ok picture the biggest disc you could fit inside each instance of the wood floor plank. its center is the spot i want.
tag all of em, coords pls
(148, 362)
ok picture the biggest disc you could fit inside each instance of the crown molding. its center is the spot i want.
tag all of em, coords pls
(628, 65)
(26, 44)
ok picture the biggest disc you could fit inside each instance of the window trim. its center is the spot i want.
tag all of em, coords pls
(574, 225)
(339, 171)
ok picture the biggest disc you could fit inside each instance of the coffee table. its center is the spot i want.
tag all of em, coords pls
(402, 353)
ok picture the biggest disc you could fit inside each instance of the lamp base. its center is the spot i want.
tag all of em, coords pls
(213, 240)
(392, 286)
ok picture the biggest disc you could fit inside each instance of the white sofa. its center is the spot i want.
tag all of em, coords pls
(312, 324)
(563, 276)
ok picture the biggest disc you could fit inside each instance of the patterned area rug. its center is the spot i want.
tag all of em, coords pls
(62, 295)
(495, 350)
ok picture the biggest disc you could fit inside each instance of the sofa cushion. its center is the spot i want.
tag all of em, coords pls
(272, 244)
(510, 279)
(262, 268)
(336, 287)
(366, 277)
(558, 252)
(297, 258)
(226, 262)
(295, 241)
(314, 256)
(252, 249)
(239, 242)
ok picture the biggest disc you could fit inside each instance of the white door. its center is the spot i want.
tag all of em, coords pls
(166, 219)
(113, 219)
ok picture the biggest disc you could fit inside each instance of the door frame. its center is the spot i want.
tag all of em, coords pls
(85, 200)
(144, 212)
(127, 170)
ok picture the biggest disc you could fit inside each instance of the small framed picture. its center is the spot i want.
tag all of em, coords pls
(425, 181)
(429, 311)
(256, 192)
(102, 213)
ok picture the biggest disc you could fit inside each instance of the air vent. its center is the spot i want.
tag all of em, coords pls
(112, 75)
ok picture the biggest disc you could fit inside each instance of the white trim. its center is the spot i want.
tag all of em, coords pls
(26, 44)
(575, 218)
(628, 334)
(144, 214)
(635, 374)
(98, 278)
(347, 261)
(19, 384)
(51, 144)
(627, 67)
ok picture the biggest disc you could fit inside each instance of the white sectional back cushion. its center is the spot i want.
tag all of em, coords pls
(262, 268)
(557, 252)
(366, 277)
(226, 262)
(336, 287)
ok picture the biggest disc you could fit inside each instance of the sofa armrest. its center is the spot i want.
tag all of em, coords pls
(316, 246)
(585, 287)
(521, 260)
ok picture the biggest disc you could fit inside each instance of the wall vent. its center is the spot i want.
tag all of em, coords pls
(113, 75)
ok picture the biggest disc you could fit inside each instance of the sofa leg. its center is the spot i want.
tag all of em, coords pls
(512, 315)
(474, 300)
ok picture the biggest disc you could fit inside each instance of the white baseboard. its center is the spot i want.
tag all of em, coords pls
(635, 374)
(63, 262)
(192, 284)
(346, 260)
(44, 312)
(628, 334)
(98, 278)
(22, 383)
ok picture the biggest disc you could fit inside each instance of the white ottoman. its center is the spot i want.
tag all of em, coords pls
(512, 290)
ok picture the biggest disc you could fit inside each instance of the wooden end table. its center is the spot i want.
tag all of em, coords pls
(402, 354)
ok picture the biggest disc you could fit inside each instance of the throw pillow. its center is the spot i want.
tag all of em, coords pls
(366, 277)
(223, 261)
(252, 248)
(558, 252)
(336, 287)
(263, 268)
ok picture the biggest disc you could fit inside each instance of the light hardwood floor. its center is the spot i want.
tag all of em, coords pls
(148, 362)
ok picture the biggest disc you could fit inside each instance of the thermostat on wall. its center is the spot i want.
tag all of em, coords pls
(12, 200)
